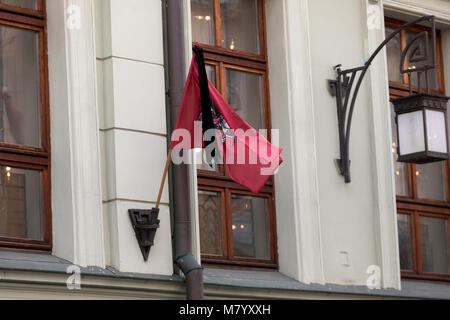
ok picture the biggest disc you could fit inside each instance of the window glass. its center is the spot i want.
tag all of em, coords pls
(244, 94)
(211, 73)
(202, 21)
(393, 49)
(19, 87)
(210, 219)
(434, 244)
(432, 73)
(431, 181)
(20, 203)
(28, 4)
(250, 227)
(400, 169)
(405, 241)
(240, 25)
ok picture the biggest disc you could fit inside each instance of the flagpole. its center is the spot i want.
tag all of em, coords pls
(163, 180)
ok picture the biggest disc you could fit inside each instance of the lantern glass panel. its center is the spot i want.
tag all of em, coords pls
(436, 131)
(411, 132)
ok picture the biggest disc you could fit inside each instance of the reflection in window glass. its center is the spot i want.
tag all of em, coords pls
(250, 226)
(210, 220)
(244, 94)
(434, 245)
(393, 49)
(211, 73)
(431, 181)
(28, 4)
(19, 87)
(405, 241)
(240, 25)
(400, 169)
(20, 203)
(432, 73)
(202, 21)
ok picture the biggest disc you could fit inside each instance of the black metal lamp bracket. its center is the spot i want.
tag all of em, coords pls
(346, 91)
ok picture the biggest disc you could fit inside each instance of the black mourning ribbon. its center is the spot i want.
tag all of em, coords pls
(206, 104)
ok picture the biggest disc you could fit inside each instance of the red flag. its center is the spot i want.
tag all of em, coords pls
(249, 157)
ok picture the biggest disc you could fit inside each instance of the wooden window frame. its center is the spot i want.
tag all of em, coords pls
(222, 59)
(25, 157)
(412, 204)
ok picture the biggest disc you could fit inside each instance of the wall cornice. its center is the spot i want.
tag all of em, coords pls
(439, 8)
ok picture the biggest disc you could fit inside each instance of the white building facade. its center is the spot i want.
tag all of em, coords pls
(108, 124)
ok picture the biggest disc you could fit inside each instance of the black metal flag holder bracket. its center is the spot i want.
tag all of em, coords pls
(146, 222)
(342, 86)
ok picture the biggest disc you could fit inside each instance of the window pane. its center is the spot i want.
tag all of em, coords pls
(400, 168)
(434, 244)
(211, 73)
(250, 224)
(244, 94)
(431, 181)
(29, 4)
(393, 48)
(240, 25)
(20, 87)
(405, 241)
(210, 216)
(202, 21)
(21, 203)
(432, 73)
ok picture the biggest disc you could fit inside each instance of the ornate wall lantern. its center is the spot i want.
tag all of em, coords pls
(422, 128)
(421, 118)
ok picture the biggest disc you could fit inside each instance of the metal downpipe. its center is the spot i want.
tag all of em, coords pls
(181, 208)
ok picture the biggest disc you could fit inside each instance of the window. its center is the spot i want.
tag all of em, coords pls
(423, 191)
(24, 127)
(236, 226)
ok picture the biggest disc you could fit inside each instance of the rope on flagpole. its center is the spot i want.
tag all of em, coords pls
(163, 180)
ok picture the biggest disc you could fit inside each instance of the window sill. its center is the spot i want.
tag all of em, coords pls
(273, 280)
(45, 262)
(251, 283)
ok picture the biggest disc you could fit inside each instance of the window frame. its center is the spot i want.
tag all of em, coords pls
(412, 205)
(218, 181)
(39, 13)
(26, 157)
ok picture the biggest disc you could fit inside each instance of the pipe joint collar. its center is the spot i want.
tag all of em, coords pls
(187, 263)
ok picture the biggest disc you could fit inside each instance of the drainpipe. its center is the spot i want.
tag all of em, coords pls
(179, 177)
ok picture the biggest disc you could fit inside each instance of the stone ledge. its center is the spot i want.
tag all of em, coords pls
(229, 283)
